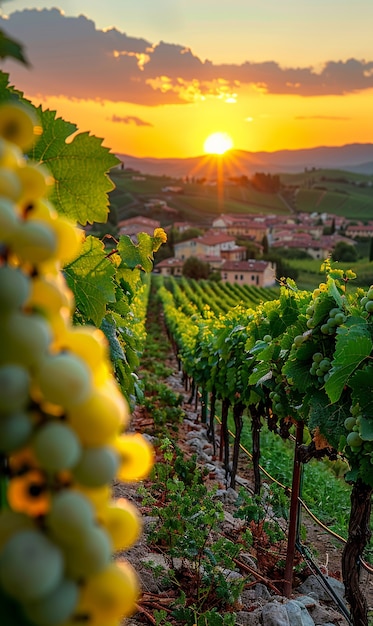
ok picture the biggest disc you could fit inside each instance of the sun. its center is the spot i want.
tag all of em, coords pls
(218, 143)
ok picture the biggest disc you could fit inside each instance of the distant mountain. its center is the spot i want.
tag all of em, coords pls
(356, 157)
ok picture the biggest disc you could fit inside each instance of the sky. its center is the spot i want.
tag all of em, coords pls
(155, 78)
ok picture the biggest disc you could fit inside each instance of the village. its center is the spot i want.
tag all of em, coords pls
(313, 233)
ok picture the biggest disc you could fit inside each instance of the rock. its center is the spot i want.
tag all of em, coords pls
(322, 616)
(298, 614)
(275, 614)
(312, 586)
(309, 602)
(248, 618)
(261, 592)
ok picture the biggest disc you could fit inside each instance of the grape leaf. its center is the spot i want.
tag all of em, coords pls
(79, 168)
(90, 277)
(362, 389)
(11, 48)
(329, 418)
(138, 255)
(353, 345)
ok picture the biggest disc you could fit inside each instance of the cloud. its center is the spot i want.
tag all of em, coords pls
(129, 119)
(71, 58)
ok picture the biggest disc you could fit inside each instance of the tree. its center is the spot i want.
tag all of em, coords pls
(371, 250)
(195, 268)
(344, 252)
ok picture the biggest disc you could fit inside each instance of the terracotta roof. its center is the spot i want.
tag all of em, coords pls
(252, 265)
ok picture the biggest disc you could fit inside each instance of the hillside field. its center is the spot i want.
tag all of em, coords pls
(323, 191)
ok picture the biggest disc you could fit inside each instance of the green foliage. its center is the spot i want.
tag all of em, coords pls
(79, 168)
(11, 48)
(188, 516)
(344, 252)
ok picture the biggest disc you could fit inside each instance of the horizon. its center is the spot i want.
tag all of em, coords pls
(246, 71)
(227, 152)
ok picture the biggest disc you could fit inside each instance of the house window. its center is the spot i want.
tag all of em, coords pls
(241, 277)
(257, 279)
(225, 276)
(253, 277)
(236, 277)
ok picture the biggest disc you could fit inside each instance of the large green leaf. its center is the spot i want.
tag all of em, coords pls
(353, 345)
(138, 255)
(11, 48)
(90, 277)
(79, 167)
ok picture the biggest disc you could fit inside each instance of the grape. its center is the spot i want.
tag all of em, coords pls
(69, 517)
(354, 439)
(35, 242)
(111, 594)
(14, 388)
(122, 522)
(49, 296)
(69, 240)
(370, 293)
(340, 318)
(267, 338)
(15, 430)
(10, 185)
(17, 124)
(136, 457)
(14, 288)
(369, 306)
(41, 210)
(8, 220)
(10, 154)
(56, 446)
(24, 339)
(99, 418)
(317, 357)
(90, 344)
(325, 365)
(64, 379)
(98, 496)
(35, 181)
(325, 329)
(56, 607)
(31, 566)
(298, 340)
(96, 467)
(89, 556)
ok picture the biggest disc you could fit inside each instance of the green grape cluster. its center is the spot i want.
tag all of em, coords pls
(320, 366)
(279, 404)
(336, 318)
(352, 424)
(367, 300)
(62, 418)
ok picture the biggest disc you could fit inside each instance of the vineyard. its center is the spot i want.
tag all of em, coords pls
(73, 313)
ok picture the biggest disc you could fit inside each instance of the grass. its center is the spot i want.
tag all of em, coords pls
(327, 495)
(309, 274)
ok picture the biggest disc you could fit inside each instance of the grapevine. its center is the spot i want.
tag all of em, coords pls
(59, 526)
(305, 357)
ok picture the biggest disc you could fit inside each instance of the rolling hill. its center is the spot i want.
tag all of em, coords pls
(357, 158)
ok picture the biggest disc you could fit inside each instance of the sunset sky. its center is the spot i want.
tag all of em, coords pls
(157, 77)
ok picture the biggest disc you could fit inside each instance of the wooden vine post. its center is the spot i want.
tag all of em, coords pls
(359, 534)
(294, 512)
